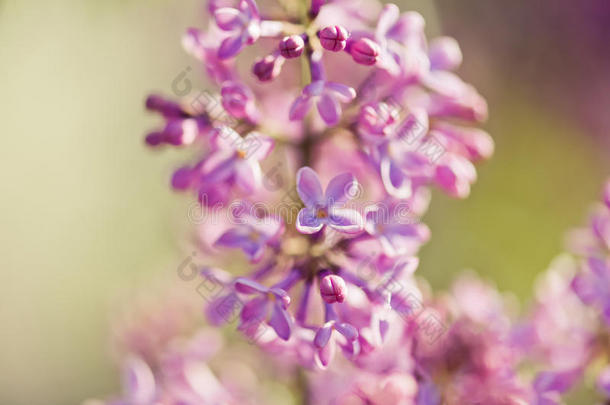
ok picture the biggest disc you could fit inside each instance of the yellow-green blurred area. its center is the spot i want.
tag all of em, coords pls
(86, 214)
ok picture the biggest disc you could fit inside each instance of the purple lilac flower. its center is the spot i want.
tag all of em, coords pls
(475, 356)
(395, 233)
(253, 235)
(238, 100)
(444, 54)
(592, 285)
(183, 126)
(269, 306)
(236, 160)
(330, 334)
(406, 128)
(243, 23)
(204, 47)
(327, 96)
(326, 208)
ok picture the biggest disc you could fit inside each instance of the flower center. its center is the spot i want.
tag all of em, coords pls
(241, 154)
(379, 228)
(321, 213)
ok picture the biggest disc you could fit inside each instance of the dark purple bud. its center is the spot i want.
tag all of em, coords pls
(316, 5)
(268, 68)
(155, 102)
(333, 289)
(364, 51)
(292, 46)
(182, 178)
(334, 38)
(161, 105)
(154, 139)
(173, 133)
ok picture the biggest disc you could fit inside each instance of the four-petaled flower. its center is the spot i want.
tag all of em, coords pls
(236, 159)
(592, 285)
(325, 341)
(243, 23)
(269, 306)
(328, 97)
(326, 209)
(396, 235)
(253, 234)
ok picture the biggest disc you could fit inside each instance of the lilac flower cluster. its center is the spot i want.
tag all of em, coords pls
(377, 119)
(308, 278)
(486, 355)
(167, 358)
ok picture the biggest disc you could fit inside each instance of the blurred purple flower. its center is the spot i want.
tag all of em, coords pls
(326, 209)
(269, 306)
(328, 97)
(243, 23)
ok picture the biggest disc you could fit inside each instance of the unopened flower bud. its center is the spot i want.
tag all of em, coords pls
(268, 68)
(163, 106)
(154, 138)
(333, 289)
(292, 46)
(334, 38)
(365, 51)
(182, 178)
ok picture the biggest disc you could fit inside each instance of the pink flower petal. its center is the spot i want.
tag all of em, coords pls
(280, 322)
(323, 335)
(329, 109)
(346, 220)
(325, 355)
(307, 222)
(230, 47)
(341, 188)
(347, 330)
(228, 19)
(255, 311)
(248, 175)
(234, 238)
(388, 17)
(247, 286)
(299, 108)
(309, 187)
(139, 380)
(342, 92)
(262, 147)
(396, 183)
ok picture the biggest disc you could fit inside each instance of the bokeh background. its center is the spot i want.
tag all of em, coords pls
(86, 216)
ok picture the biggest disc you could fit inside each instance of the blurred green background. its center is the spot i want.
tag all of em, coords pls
(86, 215)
